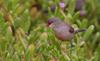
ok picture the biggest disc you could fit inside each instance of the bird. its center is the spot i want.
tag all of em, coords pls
(63, 31)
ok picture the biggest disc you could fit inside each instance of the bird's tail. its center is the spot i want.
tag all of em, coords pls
(80, 30)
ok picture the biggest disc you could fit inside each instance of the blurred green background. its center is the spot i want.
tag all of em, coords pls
(24, 35)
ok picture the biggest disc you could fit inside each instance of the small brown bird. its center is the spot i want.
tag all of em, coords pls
(62, 30)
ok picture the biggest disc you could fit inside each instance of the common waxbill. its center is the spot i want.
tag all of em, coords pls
(62, 30)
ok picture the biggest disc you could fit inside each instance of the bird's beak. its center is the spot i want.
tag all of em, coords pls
(50, 25)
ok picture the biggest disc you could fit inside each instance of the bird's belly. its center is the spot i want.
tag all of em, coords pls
(62, 33)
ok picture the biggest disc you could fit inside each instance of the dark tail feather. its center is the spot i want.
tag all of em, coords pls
(80, 30)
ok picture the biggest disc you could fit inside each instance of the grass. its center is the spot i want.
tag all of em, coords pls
(24, 35)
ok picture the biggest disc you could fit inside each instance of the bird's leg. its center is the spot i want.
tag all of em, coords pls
(71, 48)
(71, 43)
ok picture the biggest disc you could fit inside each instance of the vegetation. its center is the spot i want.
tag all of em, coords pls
(24, 35)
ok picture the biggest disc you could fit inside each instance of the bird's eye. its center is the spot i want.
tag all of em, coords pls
(71, 30)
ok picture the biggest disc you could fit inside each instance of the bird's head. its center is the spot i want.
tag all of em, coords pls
(54, 21)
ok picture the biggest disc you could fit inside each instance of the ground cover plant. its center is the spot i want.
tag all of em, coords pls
(25, 36)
